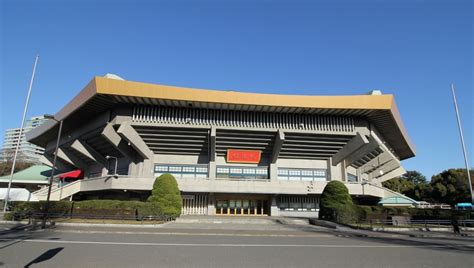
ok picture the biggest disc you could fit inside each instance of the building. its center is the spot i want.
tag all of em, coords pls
(27, 152)
(231, 152)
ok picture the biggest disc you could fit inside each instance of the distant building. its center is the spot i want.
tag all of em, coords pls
(27, 152)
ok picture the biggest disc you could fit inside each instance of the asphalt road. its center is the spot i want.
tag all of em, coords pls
(187, 247)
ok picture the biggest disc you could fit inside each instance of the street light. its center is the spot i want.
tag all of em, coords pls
(50, 183)
(116, 160)
(17, 147)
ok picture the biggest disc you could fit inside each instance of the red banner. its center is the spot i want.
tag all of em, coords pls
(243, 156)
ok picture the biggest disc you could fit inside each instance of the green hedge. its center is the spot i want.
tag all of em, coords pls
(380, 212)
(89, 207)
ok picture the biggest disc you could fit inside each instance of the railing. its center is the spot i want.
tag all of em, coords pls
(243, 178)
(58, 217)
(413, 223)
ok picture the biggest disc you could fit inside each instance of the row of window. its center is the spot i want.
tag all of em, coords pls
(182, 171)
(242, 173)
(298, 203)
(293, 174)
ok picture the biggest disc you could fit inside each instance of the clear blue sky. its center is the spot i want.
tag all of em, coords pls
(412, 49)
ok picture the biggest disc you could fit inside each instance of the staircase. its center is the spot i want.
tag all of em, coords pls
(95, 184)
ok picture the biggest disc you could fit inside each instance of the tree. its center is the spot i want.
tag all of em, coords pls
(7, 162)
(399, 184)
(414, 177)
(412, 184)
(451, 186)
(166, 195)
(336, 203)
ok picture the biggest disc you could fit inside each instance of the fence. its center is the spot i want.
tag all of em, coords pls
(413, 223)
(58, 217)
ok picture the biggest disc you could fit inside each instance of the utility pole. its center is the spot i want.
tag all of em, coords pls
(462, 143)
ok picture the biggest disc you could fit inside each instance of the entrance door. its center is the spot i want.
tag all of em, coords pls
(249, 207)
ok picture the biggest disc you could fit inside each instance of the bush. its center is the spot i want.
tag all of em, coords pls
(56, 207)
(117, 208)
(166, 195)
(21, 210)
(336, 203)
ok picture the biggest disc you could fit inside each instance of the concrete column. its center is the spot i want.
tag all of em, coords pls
(359, 175)
(274, 210)
(279, 140)
(212, 144)
(273, 172)
(105, 171)
(147, 168)
(211, 205)
(343, 171)
(328, 169)
(212, 170)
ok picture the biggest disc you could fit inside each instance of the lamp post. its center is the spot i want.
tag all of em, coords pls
(17, 147)
(116, 160)
(50, 183)
(462, 143)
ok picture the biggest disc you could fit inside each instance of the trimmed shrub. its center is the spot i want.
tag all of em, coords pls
(166, 195)
(56, 207)
(21, 210)
(336, 203)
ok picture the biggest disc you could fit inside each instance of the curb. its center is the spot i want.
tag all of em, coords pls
(77, 224)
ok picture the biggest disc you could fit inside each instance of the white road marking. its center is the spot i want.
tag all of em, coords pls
(194, 234)
(226, 245)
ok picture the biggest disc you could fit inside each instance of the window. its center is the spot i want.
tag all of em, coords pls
(298, 202)
(351, 177)
(242, 173)
(306, 174)
(182, 171)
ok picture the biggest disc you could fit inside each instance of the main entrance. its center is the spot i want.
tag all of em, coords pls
(238, 205)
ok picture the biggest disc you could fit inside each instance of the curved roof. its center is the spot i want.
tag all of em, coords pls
(103, 93)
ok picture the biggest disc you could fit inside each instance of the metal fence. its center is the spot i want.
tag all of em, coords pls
(58, 217)
(413, 223)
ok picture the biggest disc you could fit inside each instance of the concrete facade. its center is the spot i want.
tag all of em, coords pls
(301, 149)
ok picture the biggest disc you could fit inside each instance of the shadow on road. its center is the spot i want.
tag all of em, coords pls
(45, 256)
(19, 232)
(455, 244)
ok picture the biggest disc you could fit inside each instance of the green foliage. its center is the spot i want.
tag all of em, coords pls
(166, 195)
(6, 167)
(21, 209)
(336, 203)
(399, 184)
(451, 187)
(89, 207)
(99, 207)
(379, 212)
(414, 176)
